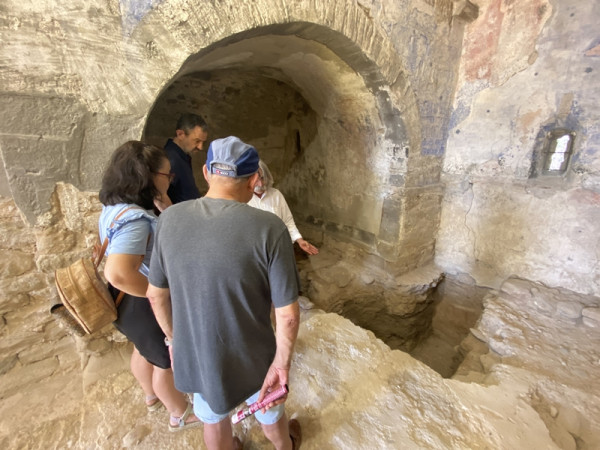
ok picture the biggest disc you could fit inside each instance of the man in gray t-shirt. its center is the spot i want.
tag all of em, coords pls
(217, 266)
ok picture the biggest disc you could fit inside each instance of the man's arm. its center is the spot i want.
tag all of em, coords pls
(160, 299)
(288, 322)
(286, 332)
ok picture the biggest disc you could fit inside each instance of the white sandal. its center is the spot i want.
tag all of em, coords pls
(155, 405)
(181, 423)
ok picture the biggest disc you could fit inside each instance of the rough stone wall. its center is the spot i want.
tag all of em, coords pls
(33, 346)
(258, 109)
(526, 67)
(397, 309)
(83, 77)
(523, 327)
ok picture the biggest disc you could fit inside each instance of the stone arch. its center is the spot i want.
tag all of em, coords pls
(179, 25)
(367, 116)
(112, 84)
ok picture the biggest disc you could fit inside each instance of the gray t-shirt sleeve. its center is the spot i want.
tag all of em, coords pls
(157, 276)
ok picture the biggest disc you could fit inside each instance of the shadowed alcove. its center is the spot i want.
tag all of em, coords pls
(314, 119)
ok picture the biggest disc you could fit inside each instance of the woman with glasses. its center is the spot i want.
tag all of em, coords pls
(135, 184)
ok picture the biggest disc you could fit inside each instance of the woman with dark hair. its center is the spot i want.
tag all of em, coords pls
(135, 183)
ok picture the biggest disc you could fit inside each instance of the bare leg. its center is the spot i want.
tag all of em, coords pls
(279, 434)
(164, 387)
(159, 382)
(142, 371)
(218, 436)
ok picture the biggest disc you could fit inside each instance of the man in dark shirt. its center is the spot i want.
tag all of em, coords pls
(190, 135)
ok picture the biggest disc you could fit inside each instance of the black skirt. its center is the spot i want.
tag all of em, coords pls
(137, 322)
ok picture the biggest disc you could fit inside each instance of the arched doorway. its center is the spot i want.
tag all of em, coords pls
(320, 114)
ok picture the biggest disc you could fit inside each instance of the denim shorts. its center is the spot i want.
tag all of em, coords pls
(206, 415)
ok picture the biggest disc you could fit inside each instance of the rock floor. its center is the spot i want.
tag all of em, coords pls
(530, 380)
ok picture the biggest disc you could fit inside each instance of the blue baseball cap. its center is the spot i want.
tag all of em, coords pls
(241, 159)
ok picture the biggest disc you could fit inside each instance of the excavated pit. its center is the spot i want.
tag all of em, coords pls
(457, 308)
(424, 312)
(434, 332)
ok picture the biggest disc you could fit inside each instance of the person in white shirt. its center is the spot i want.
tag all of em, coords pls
(267, 198)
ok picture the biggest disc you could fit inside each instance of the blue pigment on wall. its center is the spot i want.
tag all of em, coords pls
(134, 11)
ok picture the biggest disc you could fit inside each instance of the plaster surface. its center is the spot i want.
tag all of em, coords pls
(527, 67)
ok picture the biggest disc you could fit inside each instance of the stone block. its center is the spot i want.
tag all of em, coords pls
(517, 287)
(100, 365)
(46, 116)
(135, 436)
(56, 240)
(7, 363)
(337, 275)
(26, 283)
(34, 162)
(323, 260)
(570, 419)
(544, 305)
(9, 303)
(478, 334)
(569, 310)
(20, 377)
(103, 135)
(15, 263)
(389, 228)
(80, 210)
(592, 313)
(17, 236)
(421, 280)
(46, 349)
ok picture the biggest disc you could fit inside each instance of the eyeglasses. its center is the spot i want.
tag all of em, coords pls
(171, 175)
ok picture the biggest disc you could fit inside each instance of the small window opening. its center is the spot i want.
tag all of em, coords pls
(557, 151)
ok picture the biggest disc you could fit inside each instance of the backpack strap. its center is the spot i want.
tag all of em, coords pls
(119, 299)
(98, 257)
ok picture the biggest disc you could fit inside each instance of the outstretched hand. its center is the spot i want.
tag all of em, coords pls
(307, 247)
(275, 378)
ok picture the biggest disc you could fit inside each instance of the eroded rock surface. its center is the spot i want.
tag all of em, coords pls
(348, 389)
